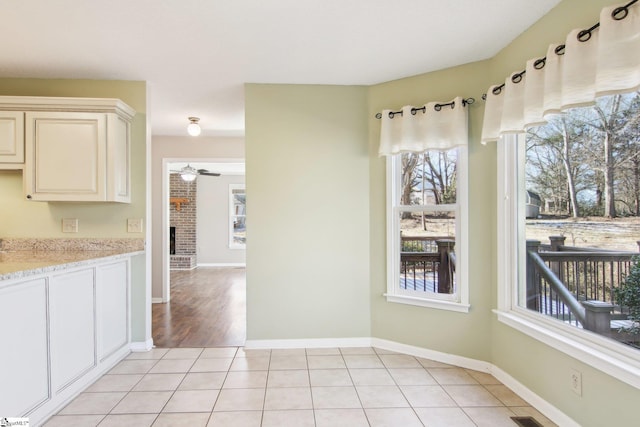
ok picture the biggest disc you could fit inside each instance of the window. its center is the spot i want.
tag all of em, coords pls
(568, 226)
(237, 217)
(426, 229)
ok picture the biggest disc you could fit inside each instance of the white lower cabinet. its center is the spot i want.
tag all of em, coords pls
(24, 356)
(60, 332)
(71, 302)
(112, 308)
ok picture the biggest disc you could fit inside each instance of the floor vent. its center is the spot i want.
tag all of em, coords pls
(526, 422)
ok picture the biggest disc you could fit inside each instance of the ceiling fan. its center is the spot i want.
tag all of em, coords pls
(189, 173)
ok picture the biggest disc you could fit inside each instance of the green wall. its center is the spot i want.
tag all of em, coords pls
(314, 181)
(464, 334)
(307, 212)
(22, 218)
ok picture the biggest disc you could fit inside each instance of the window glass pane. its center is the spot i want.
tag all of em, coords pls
(581, 211)
(427, 251)
(428, 178)
(239, 233)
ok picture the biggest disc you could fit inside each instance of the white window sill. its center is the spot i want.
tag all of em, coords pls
(618, 360)
(430, 303)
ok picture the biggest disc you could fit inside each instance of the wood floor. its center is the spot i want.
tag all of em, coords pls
(207, 309)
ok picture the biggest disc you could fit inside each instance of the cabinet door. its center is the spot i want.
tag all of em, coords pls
(72, 308)
(112, 306)
(65, 156)
(118, 153)
(11, 139)
(23, 360)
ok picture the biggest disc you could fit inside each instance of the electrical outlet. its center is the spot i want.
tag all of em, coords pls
(69, 225)
(576, 382)
(134, 225)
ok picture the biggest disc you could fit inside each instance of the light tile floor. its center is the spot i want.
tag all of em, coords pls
(234, 387)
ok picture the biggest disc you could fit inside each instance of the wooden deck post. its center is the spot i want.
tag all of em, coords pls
(445, 272)
(533, 284)
(556, 242)
(597, 316)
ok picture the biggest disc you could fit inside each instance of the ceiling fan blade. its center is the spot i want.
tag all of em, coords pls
(206, 172)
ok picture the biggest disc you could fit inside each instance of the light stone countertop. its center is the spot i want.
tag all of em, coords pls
(29, 257)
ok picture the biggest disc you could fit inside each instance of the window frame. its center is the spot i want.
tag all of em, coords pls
(232, 215)
(618, 360)
(459, 301)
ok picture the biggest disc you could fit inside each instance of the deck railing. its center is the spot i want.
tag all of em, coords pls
(427, 264)
(574, 284)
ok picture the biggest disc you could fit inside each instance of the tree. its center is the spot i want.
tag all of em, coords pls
(607, 126)
(593, 151)
(409, 179)
(628, 295)
(430, 173)
(555, 167)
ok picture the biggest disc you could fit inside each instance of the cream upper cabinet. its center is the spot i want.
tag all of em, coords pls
(66, 155)
(75, 149)
(11, 139)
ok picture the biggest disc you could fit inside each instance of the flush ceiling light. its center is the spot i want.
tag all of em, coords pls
(194, 128)
(188, 173)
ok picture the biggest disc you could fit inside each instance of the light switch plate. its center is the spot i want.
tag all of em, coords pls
(69, 225)
(134, 225)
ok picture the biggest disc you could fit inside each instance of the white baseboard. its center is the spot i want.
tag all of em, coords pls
(544, 407)
(140, 346)
(309, 343)
(222, 264)
(156, 300)
(449, 359)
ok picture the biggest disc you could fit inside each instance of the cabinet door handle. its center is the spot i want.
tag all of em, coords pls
(29, 196)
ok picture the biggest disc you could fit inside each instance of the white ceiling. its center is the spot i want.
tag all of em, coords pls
(197, 54)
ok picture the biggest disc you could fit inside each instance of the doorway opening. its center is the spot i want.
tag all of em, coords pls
(203, 273)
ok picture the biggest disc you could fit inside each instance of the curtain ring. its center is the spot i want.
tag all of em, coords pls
(517, 78)
(540, 63)
(559, 50)
(496, 90)
(437, 107)
(619, 13)
(584, 35)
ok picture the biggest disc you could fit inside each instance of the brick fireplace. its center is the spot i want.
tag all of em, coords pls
(182, 223)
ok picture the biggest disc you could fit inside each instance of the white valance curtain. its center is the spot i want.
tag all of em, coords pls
(607, 61)
(434, 126)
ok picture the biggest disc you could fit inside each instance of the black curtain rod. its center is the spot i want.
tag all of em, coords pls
(618, 14)
(437, 107)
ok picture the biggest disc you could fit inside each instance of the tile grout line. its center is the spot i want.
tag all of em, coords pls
(400, 388)
(386, 365)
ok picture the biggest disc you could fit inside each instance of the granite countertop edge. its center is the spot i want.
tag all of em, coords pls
(41, 262)
(25, 257)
